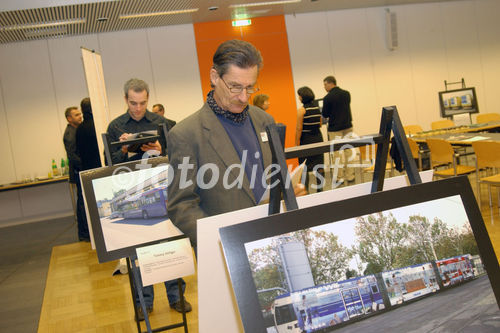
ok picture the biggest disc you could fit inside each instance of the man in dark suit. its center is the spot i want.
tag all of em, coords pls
(160, 110)
(74, 118)
(220, 154)
(337, 108)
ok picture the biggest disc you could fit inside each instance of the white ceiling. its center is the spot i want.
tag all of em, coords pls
(18, 17)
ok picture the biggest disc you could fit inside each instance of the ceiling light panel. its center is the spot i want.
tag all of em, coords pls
(171, 12)
(265, 3)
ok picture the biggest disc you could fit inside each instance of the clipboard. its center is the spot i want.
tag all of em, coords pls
(135, 143)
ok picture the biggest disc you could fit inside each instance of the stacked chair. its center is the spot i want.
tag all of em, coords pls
(487, 160)
(443, 155)
(487, 117)
(445, 123)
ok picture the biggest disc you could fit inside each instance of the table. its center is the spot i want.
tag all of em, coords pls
(473, 128)
(14, 186)
(460, 139)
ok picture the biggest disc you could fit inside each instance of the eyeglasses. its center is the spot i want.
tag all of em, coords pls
(238, 90)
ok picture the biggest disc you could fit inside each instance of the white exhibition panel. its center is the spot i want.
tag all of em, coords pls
(96, 86)
(217, 307)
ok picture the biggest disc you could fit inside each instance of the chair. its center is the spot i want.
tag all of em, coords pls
(416, 152)
(367, 155)
(487, 157)
(445, 123)
(442, 154)
(412, 129)
(487, 117)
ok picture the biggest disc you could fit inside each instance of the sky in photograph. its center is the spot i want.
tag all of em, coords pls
(450, 210)
(104, 187)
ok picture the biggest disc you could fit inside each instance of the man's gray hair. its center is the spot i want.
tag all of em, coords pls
(236, 52)
(136, 85)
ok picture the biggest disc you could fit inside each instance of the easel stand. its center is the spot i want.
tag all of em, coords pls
(462, 83)
(389, 122)
(135, 286)
(133, 270)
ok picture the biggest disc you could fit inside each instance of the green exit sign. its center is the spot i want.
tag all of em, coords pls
(241, 23)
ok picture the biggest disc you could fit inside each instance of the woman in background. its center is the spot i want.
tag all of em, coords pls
(308, 131)
(262, 101)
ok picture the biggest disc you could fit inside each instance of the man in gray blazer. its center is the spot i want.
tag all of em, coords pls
(220, 154)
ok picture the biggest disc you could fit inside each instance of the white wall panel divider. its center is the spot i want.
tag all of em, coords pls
(94, 75)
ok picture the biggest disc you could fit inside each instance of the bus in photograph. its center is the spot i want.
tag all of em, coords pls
(317, 308)
(406, 283)
(150, 203)
(455, 270)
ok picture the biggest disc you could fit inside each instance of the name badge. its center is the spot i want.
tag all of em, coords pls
(263, 136)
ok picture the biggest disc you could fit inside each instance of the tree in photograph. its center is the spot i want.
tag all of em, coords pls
(421, 238)
(445, 239)
(328, 258)
(265, 266)
(467, 241)
(380, 238)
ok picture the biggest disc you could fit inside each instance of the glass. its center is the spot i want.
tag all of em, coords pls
(238, 90)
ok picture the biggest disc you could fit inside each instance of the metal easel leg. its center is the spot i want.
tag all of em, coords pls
(136, 284)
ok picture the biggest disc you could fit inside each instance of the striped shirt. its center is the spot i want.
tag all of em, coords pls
(312, 118)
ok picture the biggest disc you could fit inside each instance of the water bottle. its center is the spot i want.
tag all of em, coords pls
(63, 167)
(55, 170)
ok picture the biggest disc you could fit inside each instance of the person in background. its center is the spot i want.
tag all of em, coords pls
(138, 119)
(337, 108)
(160, 110)
(308, 131)
(86, 139)
(74, 118)
(226, 132)
(261, 101)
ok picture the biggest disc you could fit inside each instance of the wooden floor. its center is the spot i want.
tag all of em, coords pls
(82, 296)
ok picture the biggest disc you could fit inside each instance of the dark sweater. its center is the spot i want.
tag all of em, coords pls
(337, 108)
(244, 138)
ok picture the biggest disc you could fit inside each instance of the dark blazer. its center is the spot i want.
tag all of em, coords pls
(86, 143)
(202, 138)
(74, 161)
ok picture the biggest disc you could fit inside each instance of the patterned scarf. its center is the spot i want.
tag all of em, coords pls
(238, 118)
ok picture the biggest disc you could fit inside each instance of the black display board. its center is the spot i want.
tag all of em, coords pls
(447, 208)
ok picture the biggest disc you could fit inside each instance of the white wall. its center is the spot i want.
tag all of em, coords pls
(39, 79)
(437, 42)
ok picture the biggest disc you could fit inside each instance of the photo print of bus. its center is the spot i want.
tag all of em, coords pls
(132, 206)
(138, 194)
(141, 204)
(341, 273)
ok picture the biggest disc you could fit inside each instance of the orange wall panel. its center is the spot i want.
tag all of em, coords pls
(269, 36)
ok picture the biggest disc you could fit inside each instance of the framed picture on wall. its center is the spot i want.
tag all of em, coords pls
(127, 206)
(369, 263)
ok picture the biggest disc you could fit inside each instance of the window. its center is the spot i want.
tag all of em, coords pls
(284, 314)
